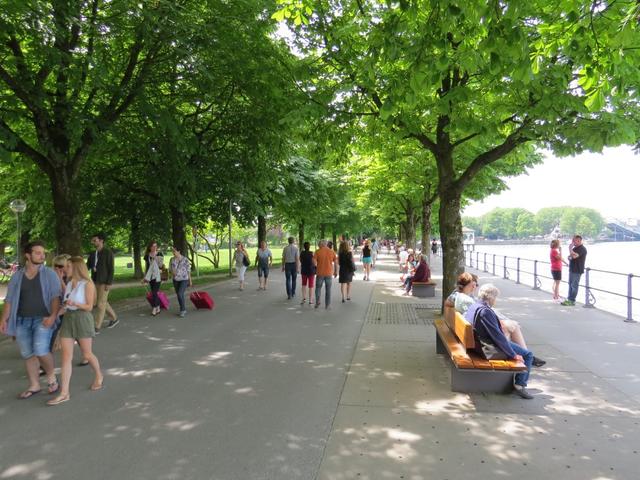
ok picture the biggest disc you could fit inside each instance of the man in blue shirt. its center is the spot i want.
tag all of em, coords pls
(29, 314)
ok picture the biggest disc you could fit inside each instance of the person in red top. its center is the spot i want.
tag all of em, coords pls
(555, 255)
(326, 264)
(422, 274)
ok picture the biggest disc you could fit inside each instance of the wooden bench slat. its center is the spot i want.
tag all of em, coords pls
(508, 365)
(457, 352)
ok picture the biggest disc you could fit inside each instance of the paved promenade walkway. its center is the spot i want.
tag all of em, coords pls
(263, 388)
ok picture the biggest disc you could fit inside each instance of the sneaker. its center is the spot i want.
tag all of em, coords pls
(538, 362)
(288, 297)
(303, 300)
(97, 331)
(568, 303)
(182, 313)
(522, 392)
(113, 323)
(316, 305)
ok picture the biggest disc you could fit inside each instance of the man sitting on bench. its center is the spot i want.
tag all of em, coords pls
(422, 274)
(490, 340)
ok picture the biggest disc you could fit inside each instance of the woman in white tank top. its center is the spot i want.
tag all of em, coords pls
(77, 325)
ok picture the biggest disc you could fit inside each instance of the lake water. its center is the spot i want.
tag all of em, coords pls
(602, 258)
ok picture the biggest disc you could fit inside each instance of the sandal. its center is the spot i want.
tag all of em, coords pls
(53, 387)
(58, 400)
(28, 394)
(95, 388)
(83, 363)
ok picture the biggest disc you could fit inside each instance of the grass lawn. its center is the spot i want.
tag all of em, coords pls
(124, 274)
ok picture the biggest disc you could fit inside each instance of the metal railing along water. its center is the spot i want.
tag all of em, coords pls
(527, 269)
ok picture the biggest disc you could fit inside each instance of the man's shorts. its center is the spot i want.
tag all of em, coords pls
(556, 274)
(307, 280)
(32, 337)
(263, 271)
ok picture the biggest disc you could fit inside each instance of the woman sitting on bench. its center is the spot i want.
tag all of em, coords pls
(463, 298)
(490, 340)
(422, 274)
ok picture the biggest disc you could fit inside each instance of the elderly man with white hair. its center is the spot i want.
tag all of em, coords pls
(491, 343)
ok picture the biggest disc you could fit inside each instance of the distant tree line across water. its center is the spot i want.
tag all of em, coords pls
(521, 223)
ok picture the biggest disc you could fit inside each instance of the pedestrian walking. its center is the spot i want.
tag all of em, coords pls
(308, 272)
(264, 260)
(346, 271)
(577, 258)
(434, 247)
(365, 258)
(290, 266)
(241, 258)
(101, 264)
(555, 256)
(375, 249)
(180, 268)
(59, 266)
(78, 325)
(326, 264)
(30, 310)
(154, 262)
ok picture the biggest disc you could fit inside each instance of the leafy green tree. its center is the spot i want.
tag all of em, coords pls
(525, 225)
(476, 83)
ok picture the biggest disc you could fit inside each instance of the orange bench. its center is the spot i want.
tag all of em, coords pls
(470, 373)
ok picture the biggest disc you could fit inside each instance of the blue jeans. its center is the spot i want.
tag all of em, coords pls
(408, 283)
(527, 355)
(574, 284)
(291, 275)
(180, 286)
(33, 338)
(327, 289)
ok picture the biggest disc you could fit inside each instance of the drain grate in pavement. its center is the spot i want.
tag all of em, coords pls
(395, 314)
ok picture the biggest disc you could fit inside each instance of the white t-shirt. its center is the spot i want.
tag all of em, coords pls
(77, 295)
(404, 255)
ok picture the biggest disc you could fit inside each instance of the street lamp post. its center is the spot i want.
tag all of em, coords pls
(18, 206)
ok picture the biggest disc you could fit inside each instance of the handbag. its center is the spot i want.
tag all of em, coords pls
(164, 274)
(489, 350)
(245, 261)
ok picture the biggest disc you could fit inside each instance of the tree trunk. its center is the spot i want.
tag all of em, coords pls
(335, 240)
(136, 246)
(262, 229)
(178, 230)
(301, 233)
(426, 225)
(3, 246)
(402, 233)
(410, 228)
(322, 231)
(67, 214)
(451, 238)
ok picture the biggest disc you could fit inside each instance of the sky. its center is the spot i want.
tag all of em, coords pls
(607, 182)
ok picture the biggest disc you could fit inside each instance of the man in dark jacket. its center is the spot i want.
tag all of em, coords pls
(577, 257)
(490, 340)
(101, 265)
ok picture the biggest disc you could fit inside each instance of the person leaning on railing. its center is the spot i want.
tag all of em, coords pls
(462, 298)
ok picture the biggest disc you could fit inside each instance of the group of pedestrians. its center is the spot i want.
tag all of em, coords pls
(47, 309)
(317, 269)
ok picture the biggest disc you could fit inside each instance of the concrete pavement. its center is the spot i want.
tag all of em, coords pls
(262, 388)
(247, 391)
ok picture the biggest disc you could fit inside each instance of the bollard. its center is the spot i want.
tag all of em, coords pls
(587, 291)
(494, 264)
(536, 282)
(485, 263)
(505, 268)
(518, 270)
(629, 318)
(477, 260)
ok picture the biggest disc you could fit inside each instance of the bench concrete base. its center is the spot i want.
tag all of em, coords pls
(423, 290)
(480, 381)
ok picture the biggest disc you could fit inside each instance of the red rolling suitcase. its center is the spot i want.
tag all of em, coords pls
(164, 301)
(201, 300)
